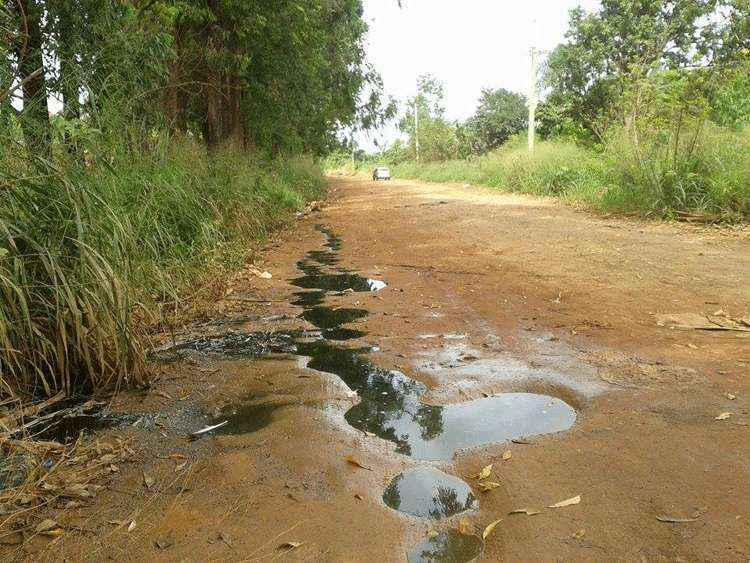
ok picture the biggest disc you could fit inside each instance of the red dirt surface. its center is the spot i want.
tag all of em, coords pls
(534, 286)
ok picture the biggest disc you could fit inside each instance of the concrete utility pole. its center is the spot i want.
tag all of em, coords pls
(416, 124)
(533, 98)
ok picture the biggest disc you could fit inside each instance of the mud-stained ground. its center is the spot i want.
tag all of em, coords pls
(512, 331)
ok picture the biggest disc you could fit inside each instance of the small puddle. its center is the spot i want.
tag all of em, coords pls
(328, 317)
(66, 429)
(428, 493)
(315, 278)
(309, 298)
(244, 419)
(450, 546)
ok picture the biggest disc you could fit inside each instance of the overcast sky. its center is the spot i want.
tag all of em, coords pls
(467, 44)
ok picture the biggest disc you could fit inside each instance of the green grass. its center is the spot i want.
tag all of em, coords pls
(706, 173)
(93, 256)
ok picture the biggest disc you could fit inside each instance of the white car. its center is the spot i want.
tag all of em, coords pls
(381, 173)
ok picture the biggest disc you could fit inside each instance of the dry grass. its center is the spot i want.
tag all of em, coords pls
(41, 476)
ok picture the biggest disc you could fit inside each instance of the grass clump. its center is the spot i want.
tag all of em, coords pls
(93, 254)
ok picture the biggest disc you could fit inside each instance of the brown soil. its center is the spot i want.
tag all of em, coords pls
(533, 285)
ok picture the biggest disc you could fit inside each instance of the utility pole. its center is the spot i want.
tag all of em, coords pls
(533, 98)
(416, 124)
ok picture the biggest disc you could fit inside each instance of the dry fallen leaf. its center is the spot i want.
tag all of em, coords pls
(724, 416)
(358, 496)
(507, 455)
(225, 538)
(464, 527)
(256, 272)
(485, 472)
(730, 396)
(567, 502)
(131, 527)
(579, 534)
(180, 466)
(162, 544)
(148, 480)
(490, 527)
(525, 511)
(671, 520)
(290, 545)
(46, 526)
(488, 486)
(354, 461)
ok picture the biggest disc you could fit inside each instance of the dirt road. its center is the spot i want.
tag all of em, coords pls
(504, 318)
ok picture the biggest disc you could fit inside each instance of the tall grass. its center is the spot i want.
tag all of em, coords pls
(91, 253)
(703, 170)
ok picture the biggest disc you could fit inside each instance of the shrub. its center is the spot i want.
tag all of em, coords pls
(88, 252)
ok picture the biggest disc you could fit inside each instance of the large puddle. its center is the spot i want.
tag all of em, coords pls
(390, 404)
(390, 407)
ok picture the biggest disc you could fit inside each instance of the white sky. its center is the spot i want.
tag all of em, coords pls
(467, 44)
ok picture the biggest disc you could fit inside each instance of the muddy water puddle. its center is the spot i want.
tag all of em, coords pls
(390, 403)
(425, 492)
(244, 419)
(450, 546)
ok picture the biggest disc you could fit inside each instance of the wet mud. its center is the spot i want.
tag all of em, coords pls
(390, 403)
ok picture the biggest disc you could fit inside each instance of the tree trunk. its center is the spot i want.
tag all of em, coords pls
(69, 83)
(175, 102)
(35, 117)
(172, 101)
(213, 128)
(236, 125)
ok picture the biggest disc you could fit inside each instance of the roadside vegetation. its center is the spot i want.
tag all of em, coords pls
(645, 111)
(144, 146)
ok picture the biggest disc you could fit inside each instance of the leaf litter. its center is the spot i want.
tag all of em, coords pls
(490, 528)
(488, 486)
(291, 545)
(525, 511)
(566, 502)
(674, 520)
(464, 527)
(355, 462)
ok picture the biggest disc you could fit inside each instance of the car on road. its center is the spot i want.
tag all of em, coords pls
(381, 173)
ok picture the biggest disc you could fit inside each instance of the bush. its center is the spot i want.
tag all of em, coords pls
(90, 251)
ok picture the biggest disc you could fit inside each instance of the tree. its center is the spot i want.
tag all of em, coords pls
(437, 136)
(277, 75)
(28, 56)
(500, 115)
(627, 40)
